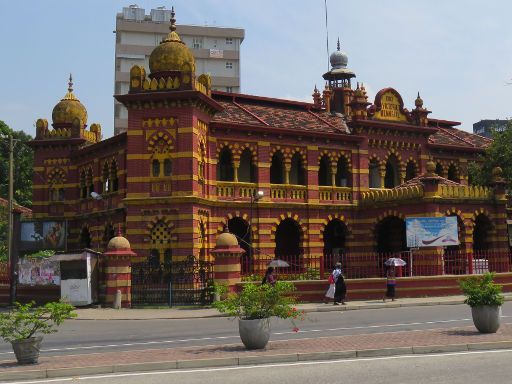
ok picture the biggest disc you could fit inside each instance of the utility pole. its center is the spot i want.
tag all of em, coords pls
(10, 240)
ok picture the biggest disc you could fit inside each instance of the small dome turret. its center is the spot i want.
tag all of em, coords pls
(172, 54)
(338, 59)
(69, 108)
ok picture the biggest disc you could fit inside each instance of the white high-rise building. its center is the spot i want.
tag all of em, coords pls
(216, 50)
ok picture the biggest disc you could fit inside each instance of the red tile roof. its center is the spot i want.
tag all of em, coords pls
(18, 208)
(276, 113)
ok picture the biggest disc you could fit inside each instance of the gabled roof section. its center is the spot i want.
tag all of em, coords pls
(276, 113)
(449, 135)
(419, 180)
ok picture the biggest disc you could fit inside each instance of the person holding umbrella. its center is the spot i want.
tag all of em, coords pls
(340, 288)
(390, 265)
(269, 277)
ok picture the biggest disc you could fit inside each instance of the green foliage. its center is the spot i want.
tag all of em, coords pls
(481, 290)
(42, 254)
(260, 301)
(25, 320)
(498, 154)
(23, 165)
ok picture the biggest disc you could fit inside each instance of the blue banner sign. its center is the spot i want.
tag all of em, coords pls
(431, 231)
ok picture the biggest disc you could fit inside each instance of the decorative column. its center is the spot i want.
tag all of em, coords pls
(236, 165)
(227, 266)
(118, 268)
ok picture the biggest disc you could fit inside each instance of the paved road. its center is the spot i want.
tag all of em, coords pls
(454, 368)
(89, 336)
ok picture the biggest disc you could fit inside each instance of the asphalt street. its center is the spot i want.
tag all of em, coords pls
(91, 336)
(453, 368)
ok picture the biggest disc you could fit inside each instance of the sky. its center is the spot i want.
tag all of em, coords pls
(456, 53)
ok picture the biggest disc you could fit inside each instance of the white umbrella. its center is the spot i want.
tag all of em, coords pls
(395, 262)
(278, 263)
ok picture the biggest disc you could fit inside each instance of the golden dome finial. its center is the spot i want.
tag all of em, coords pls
(173, 20)
(70, 84)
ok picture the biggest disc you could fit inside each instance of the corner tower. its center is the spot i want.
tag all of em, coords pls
(169, 112)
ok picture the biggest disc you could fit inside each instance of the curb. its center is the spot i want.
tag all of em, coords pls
(251, 360)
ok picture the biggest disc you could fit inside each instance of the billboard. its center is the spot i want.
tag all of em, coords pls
(38, 272)
(431, 231)
(38, 235)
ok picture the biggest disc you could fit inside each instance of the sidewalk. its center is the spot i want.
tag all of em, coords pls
(306, 349)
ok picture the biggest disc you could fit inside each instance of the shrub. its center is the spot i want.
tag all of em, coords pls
(481, 290)
(25, 320)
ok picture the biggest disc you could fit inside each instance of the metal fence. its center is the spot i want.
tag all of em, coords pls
(187, 282)
(369, 264)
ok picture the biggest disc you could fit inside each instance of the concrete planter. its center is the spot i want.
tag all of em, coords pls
(487, 318)
(254, 333)
(27, 350)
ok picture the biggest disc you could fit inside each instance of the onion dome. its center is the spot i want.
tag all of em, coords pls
(172, 54)
(431, 168)
(338, 59)
(226, 240)
(69, 108)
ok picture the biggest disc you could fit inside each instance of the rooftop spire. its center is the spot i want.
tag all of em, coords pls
(173, 20)
(70, 83)
(338, 46)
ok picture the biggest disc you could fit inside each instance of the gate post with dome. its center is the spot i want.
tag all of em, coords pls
(227, 268)
(117, 269)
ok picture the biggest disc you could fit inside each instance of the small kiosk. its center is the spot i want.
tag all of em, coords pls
(78, 276)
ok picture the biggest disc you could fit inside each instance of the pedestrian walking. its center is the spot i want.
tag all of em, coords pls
(340, 288)
(329, 295)
(269, 277)
(390, 284)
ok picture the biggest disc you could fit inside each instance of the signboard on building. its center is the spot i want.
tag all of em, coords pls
(39, 235)
(216, 53)
(431, 231)
(389, 106)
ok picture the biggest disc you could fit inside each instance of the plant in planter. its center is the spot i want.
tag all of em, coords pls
(485, 299)
(21, 324)
(254, 305)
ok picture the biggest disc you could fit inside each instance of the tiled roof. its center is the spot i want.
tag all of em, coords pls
(453, 136)
(277, 114)
(18, 208)
(418, 180)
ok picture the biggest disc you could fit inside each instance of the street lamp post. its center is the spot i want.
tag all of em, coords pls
(255, 196)
(10, 242)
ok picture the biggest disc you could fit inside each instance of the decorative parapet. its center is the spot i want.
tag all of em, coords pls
(334, 194)
(402, 193)
(77, 130)
(465, 192)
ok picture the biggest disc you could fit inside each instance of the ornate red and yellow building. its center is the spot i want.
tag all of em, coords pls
(339, 174)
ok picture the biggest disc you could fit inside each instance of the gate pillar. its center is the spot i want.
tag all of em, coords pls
(118, 270)
(227, 252)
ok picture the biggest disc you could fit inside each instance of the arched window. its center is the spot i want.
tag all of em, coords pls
(277, 169)
(167, 167)
(90, 182)
(108, 233)
(482, 237)
(288, 240)
(410, 171)
(391, 179)
(202, 162)
(343, 178)
(241, 229)
(297, 174)
(439, 170)
(155, 168)
(106, 178)
(56, 186)
(83, 185)
(247, 170)
(113, 176)
(391, 235)
(85, 238)
(324, 171)
(374, 174)
(453, 173)
(225, 170)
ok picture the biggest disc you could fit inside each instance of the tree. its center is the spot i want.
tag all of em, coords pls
(497, 154)
(23, 166)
